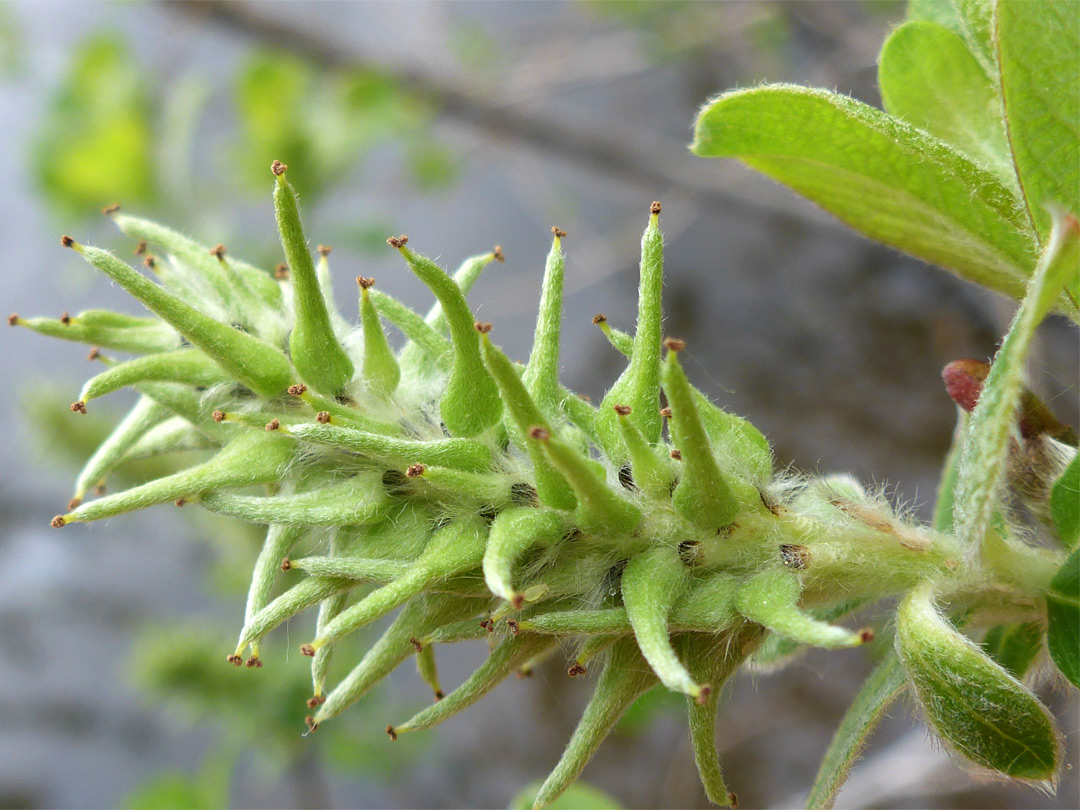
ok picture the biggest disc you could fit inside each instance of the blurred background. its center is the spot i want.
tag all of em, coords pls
(463, 125)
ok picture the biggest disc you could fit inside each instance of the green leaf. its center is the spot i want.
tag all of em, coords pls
(1014, 646)
(976, 706)
(885, 684)
(1063, 617)
(885, 178)
(990, 428)
(1039, 47)
(929, 78)
(972, 20)
(577, 797)
(1065, 504)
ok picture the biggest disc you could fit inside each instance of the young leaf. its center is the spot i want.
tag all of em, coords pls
(1065, 504)
(883, 177)
(1063, 617)
(1039, 47)
(972, 20)
(989, 429)
(973, 703)
(1014, 646)
(929, 78)
(880, 690)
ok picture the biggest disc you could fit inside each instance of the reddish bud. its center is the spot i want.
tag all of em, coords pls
(964, 381)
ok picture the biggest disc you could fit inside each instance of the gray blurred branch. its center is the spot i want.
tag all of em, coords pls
(652, 163)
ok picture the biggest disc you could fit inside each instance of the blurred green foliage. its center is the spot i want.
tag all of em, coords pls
(95, 143)
(117, 132)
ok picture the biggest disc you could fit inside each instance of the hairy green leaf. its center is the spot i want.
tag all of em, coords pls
(1065, 504)
(1063, 617)
(972, 702)
(881, 176)
(1039, 49)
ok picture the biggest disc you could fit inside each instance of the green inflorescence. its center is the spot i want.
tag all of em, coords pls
(484, 500)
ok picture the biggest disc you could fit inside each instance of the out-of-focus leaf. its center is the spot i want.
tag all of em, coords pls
(95, 146)
(1063, 618)
(172, 791)
(11, 42)
(1065, 504)
(887, 179)
(270, 94)
(1039, 43)
(929, 78)
(324, 123)
(432, 167)
(184, 103)
(578, 796)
